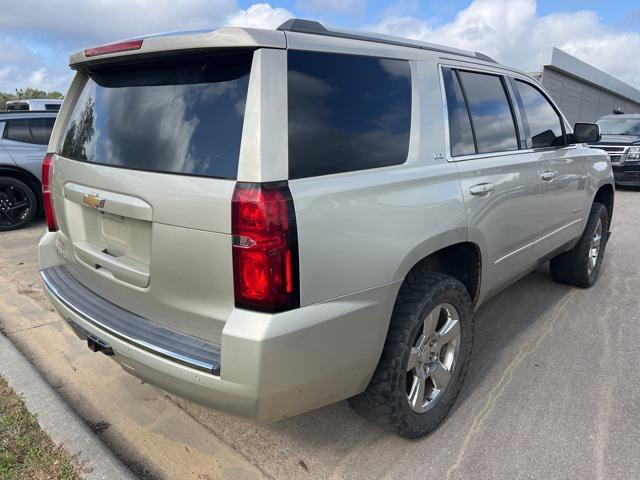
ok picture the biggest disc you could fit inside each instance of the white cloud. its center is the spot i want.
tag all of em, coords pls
(23, 67)
(342, 6)
(259, 15)
(91, 22)
(37, 37)
(513, 33)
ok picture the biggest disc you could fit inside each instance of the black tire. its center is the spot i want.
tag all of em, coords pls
(575, 266)
(18, 204)
(385, 400)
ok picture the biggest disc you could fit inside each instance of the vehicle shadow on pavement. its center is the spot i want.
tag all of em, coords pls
(333, 442)
(507, 316)
(336, 432)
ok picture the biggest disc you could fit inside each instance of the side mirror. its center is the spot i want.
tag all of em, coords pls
(586, 132)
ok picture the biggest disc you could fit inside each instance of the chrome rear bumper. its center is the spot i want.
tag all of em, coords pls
(131, 328)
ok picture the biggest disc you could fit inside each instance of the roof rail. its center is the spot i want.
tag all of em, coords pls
(300, 25)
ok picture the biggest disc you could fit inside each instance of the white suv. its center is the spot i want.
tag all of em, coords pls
(270, 221)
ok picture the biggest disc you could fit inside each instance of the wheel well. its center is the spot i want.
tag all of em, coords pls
(461, 261)
(604, 195)
(26, 177)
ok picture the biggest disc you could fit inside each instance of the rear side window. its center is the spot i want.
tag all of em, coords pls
(41, 129)
(490, 111)
(542, 123)
(346, 112)
(52, 106)
(17, 106)
(460, 132)
(182, 115)
(17, 130)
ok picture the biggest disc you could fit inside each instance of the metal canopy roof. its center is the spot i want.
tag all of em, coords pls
(570, 65)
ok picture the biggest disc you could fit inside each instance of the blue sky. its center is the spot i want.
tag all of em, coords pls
(612, 12)
(36, 36)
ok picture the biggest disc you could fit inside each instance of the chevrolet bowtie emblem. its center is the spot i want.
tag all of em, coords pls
(93, 201)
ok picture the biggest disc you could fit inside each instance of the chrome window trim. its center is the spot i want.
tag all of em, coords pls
(462, 158)
(514, 76)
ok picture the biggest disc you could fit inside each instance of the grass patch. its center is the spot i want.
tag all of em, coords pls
(26, 451)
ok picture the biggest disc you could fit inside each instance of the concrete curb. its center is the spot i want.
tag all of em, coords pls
(56, 417)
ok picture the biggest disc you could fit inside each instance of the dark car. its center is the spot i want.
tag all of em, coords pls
(621, 140)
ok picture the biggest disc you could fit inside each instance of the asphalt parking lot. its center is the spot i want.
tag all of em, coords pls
(553, 390)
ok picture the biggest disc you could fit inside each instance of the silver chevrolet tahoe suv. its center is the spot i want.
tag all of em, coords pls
(267, 222)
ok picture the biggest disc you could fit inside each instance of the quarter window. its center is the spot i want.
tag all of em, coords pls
(490, 111)
(542, 122)
(346, 112)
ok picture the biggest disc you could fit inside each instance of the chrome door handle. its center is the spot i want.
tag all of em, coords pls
(549, 176)
(482, 189)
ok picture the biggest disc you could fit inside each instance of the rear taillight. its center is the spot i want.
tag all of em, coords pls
(114, 48)
(47, 194)
(265, 247)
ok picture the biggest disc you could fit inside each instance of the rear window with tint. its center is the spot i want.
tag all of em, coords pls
(182, 115)
(17, 106)
(346, 112)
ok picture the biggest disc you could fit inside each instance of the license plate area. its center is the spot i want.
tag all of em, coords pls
(110, 233)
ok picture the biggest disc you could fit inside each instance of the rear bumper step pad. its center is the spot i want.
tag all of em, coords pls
(127, 326)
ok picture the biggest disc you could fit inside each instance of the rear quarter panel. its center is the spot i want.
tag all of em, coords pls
(26, 156)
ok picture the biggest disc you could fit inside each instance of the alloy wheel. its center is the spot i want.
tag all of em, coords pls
(594, 247)
(14, 205)
(433, 357)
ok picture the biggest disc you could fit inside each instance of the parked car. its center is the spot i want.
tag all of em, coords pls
(621, 140)
(267, 222)
(23, 143)
(46, 104)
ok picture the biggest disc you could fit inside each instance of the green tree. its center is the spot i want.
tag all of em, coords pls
(80, 133)
(33, 93)
(26, 94)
